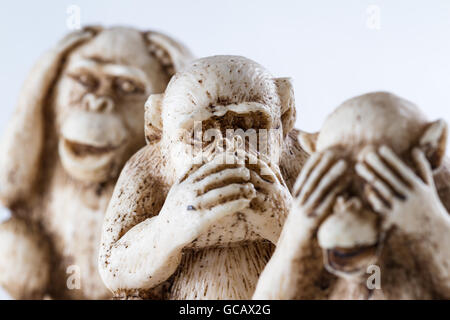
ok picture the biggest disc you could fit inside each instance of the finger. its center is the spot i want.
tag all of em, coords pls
(226, 176)
(326, 182)
(314, 177)
(424, 166)
(305, 172)
(217, 145)
(376, 202)
(258, 181)
(404, 171)
(208, 168)
(364, 172)
(325, 206)
(264, 171)
(273, 170)
(263, 187)
(385, 172)
(224, 194)
(236, 157)
(221, 210)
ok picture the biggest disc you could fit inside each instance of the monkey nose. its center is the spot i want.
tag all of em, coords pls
(343, 204)
(103, 104)
(99, 103)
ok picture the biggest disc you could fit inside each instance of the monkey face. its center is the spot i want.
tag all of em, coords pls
(352, 235)
(244, 127)
(99, 103)
(229, 109)
(219, 97)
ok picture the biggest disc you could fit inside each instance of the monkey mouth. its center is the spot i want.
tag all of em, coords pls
(83, 150)
(86, 158)
(350, 260)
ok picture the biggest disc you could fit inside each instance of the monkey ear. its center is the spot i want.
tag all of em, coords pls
(153, 120)
(287, 100)
(22, 144)
(172, 54)
(433, 142)
(308, 141)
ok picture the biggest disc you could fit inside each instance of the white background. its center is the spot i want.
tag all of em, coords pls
(330, 48)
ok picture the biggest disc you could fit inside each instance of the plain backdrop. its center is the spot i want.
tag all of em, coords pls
(333, 50)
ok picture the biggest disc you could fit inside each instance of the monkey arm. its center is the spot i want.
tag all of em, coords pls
(279, 279)
(429, 245)
(436, 253)
(138, 250)
(425, 258)
(24, 260)
(144, 257)
(296, 269)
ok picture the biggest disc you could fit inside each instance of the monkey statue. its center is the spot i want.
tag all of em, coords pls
(369, 220)
(80, 116)
(184, 226)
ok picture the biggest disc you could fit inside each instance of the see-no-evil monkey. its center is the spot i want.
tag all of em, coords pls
(177, 229)
(80, 117)
(367, 197)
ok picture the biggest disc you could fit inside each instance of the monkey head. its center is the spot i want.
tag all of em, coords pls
(227, 111)
(89, 90)
(351, 236)
(99, 103)
(218, 94)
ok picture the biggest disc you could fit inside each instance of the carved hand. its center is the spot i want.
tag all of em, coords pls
(316, 189)
(272, 202)
(297, 263)
(206, 195)
(402, 198)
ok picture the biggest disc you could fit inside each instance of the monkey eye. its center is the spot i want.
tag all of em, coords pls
(127, 86)
(86, 80)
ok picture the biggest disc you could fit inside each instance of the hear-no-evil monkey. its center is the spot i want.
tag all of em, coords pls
(178, 229)
(80, 117)
(365, 202)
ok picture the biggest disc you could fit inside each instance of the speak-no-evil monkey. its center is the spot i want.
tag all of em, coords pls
(177, 229)
(79, 118)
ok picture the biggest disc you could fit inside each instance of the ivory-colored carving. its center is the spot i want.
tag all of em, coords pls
(366, 201)
(80, 116)
(181, 229)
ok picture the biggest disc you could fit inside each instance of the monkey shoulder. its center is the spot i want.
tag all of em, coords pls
(141, 189)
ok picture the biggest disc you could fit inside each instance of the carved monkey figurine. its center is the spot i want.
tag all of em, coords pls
(80, 116)
(178, 229)
(367, 198)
